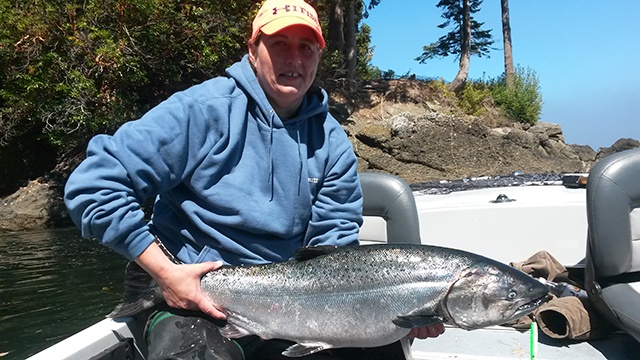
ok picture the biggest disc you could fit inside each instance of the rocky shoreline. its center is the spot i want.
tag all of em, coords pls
(421, 145)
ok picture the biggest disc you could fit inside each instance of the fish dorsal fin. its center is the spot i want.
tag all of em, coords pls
(417, 321)
(304, 349)
(310, 252)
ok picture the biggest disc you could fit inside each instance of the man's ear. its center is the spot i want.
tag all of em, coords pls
(252, 53)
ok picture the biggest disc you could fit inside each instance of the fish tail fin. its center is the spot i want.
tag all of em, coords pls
(141, 292)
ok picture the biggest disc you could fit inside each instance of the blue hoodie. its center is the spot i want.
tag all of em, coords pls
(232, 181)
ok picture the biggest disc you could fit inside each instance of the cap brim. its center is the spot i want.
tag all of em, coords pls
(278, 24)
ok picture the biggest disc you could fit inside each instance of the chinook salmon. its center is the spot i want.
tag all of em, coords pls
(363, 296)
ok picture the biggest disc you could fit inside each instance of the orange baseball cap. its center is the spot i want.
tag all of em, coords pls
(275, 15)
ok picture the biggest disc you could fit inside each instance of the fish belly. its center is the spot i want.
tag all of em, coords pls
(360, 318)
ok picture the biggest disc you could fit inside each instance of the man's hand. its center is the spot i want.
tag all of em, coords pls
(180, 283)
(431, 331)
(181, 288)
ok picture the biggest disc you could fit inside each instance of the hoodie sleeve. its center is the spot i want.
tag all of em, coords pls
(105, 193)
(337, 210)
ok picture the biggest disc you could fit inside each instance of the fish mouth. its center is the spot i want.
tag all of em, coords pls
(532, 305)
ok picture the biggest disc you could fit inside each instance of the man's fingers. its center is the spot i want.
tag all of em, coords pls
(205, 304)
(208, 308)
(209, 266)
(426, 332)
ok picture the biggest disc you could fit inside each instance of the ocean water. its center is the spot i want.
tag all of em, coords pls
(52, 285)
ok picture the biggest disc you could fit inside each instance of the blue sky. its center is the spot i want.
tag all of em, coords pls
(585, 53)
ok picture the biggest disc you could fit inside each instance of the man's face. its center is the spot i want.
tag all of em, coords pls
(286, 64)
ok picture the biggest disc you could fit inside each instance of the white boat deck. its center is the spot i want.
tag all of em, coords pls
(500, 343)
(545, 217)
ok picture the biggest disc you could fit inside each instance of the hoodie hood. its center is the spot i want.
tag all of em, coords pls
(315, 101)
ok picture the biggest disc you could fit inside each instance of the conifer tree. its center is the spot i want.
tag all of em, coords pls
(466, 39)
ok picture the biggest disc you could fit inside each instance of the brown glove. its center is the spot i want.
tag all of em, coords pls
(568, 317)
(541, 264)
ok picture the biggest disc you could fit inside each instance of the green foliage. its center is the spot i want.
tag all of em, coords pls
(71, 69)
(441, 87)
(333, 63)
(389, 74)
(372, 4)
(473, 98)
(522, 101)
(364, 70)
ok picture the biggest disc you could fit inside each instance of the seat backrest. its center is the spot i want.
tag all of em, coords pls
(391, 198)
(613, 215)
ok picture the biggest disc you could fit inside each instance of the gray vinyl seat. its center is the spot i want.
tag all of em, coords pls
(391, 198)
(612, 273)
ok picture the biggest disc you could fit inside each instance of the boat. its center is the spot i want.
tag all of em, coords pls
(506, 218)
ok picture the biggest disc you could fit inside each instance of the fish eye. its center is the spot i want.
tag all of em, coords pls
(512, 295)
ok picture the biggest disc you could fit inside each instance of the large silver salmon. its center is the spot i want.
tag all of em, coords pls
(364, 296)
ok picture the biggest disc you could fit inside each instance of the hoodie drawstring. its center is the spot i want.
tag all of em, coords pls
(271, 176)
(299, 160)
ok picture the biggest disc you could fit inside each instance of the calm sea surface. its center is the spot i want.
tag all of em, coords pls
(52, 285)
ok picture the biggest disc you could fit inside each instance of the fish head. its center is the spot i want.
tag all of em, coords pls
(491, 293)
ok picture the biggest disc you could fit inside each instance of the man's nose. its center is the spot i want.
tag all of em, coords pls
(293, 55)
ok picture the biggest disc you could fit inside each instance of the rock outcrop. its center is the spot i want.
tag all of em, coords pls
(419, 145)
(38, 205)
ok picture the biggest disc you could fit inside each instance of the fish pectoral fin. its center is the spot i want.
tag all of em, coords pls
(417, 321)
(310, 252)
(141, 292)
(232, 331)
(304, 349)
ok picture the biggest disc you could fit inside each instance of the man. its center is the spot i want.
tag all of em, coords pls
(245, 169)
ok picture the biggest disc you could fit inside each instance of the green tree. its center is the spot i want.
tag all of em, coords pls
(466, 39)
(70, 69)
(348, 52)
